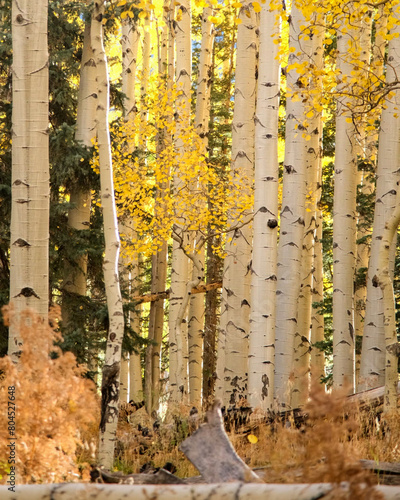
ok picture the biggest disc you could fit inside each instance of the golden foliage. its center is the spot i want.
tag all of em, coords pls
(55, 404)
(162, 179)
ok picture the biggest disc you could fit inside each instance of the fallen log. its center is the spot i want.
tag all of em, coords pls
(224, 491)
(152, 297)
(211, 452)
(162, 476)
(371, 397)
(388, 473)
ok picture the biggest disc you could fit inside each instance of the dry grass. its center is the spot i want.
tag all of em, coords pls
(56, 406)
(326, 447)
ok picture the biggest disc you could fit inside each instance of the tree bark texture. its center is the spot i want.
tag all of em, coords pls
(372, 369)
(264, 262)
(292, 216)
(30, 190)
(235, 313)
(344, 220)
(112, 362)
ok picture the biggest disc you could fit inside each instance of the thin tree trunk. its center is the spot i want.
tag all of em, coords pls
(264, 261)
(197, 304)
(385, 282)
(292, 216)
(112, 362)
(131, 374)
(30, 190)
(180, 264)
(79, 213)
(303, 341)
(235, 312)
(372, 367)
(344, 221)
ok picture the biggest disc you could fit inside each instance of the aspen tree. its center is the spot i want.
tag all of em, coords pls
(303, 342)
(111, 369)
(228, 69)
(293, 209)
(235, 309)
(344, 206)
(159, 259)
(264, 260)
(29, 239)
(131, 379)
(180, 263)
(202, 116)
(385, 282)
(372, 367)
(79, 214)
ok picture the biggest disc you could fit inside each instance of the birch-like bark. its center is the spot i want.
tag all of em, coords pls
(236, 278)
(112, 362)
(303, 341)
(372, 369)
(385, 282)
(79, 213)
(180, 265)
(292, 217)
(365, 188)
(131, 373)
(197, 304)
(344, 221)
(264, 261)
(30, 190)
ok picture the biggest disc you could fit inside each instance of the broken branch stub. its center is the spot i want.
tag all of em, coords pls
(211, 452)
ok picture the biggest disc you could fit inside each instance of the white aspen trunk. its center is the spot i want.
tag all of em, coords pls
(292, 219)
(30, 190)
(385, 282)
(366, 188)
(372, 367)
(317, 357)
(131, 373)
(130, 44)
(344, 223)
(195, 338)
(265, 224)
(180, 266)
(303, 346)
(317, 360)
(197, 302)
(236, 277)
(112, 362)
(79, 214)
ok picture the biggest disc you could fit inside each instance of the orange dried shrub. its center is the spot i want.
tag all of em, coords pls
(55, 404)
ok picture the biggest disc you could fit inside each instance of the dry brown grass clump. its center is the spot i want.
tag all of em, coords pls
(326, 447)
(55, 405)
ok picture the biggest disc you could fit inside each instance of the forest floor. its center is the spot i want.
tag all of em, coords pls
(323, 444)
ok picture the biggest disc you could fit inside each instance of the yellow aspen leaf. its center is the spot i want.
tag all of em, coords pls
(238, 21)
(252, 438)
(124, 15)
(257, 7)
(121, 3)
(349, 120)
(213, 19)
(310, 114)
(237, 5)
(130, 14)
